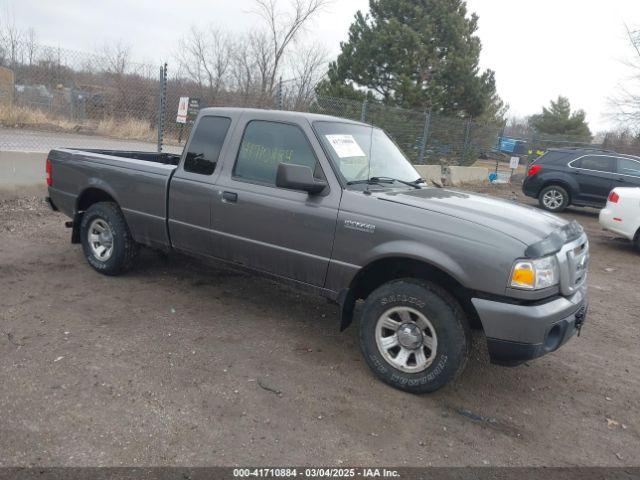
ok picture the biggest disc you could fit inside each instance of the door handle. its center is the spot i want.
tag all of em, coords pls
(619, 179)
(229, 197)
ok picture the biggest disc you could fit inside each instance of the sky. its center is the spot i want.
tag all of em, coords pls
(539, 49)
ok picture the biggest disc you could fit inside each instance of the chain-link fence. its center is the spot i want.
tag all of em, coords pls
(57, 90)
(51, 97)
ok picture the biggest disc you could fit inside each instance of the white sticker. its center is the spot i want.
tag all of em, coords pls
(345, 146)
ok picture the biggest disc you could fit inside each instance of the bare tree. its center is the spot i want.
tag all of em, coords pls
(116, 58)
(30, 45)
(205, 57)
(284, 27)
(626, 105)
(242, 68)
(10, 37)
(308, 65)
(251, 65)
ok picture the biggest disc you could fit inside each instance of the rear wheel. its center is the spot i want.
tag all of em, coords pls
(414, 335)
(106, 240)
(553, 198)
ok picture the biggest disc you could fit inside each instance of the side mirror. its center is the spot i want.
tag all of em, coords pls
(298, 177)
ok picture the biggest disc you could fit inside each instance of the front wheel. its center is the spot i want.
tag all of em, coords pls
(414, 335)
(106, 240)
(554, 198)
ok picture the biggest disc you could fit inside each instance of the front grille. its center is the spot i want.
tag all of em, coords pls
(579, 260)
(574, 261)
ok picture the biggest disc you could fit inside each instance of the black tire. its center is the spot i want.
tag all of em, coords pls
(447, 319)
(554, 198)
(124, 248)
(636, 241)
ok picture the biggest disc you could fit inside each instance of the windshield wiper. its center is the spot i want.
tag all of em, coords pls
(413, 184)
(370, 181)
(383, 180)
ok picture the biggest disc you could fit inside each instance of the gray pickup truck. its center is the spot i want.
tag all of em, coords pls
(334, 207)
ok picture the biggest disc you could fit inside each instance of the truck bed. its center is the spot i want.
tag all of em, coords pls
(136, 181)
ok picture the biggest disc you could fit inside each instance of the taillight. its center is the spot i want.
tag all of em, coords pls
(48, 170)
(613, 197)
(533, 169)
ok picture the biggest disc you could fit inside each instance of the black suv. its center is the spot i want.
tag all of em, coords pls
(579, 176)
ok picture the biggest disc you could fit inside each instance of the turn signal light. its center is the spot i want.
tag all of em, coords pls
(48, 170)
(613, 197)
(533, 169)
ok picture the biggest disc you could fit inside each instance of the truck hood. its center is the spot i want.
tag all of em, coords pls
(523, 223)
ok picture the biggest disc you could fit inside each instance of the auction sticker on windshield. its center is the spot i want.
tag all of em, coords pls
(345, 146)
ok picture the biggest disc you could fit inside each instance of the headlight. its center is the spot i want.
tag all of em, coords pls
(535, 274)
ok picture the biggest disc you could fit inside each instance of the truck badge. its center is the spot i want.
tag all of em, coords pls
(359, 226)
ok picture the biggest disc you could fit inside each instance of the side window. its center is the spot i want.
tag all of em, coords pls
(206, 144)
(627, 166)
(267, 144)
(597, 163)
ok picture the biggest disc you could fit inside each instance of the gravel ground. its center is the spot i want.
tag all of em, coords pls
(181, 363)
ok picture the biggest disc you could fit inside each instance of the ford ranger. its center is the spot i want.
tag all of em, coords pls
(334, 207)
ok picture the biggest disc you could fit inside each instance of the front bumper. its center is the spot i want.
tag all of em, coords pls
(517, 333)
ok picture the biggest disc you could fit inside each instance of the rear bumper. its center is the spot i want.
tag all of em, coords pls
(607, 222)
(530, 187)
(517, 333)
(51, 204)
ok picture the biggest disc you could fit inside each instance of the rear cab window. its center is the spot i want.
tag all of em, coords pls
(205, 145)
(266, 144)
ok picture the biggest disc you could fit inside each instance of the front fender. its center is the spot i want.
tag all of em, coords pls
(420, 252)
(398, 249)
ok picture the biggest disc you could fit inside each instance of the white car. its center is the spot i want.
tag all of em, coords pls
(622, 213)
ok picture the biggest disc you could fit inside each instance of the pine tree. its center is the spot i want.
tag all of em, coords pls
(420, 54)
(559, 120)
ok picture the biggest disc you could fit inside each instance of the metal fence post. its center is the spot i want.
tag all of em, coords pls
(162, 105)
(279, 95)
(467, 135)
(425, 137)
(363, 113)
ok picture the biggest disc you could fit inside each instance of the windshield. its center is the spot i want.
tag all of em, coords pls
(361, 152)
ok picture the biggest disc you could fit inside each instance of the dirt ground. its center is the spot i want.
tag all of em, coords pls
(180, 363)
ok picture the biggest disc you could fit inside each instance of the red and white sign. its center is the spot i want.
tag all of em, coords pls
(183, 110)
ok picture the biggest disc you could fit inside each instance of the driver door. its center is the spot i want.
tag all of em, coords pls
(283, 232)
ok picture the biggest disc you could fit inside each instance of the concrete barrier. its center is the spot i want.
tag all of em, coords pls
(22, 171)
(430, 172)
(460, 175)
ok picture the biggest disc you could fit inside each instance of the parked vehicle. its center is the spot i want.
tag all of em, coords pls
(332, 206)
(622, 214)
(579, 176)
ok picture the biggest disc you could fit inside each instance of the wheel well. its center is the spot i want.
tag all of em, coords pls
(91, 196)
(387, 269)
